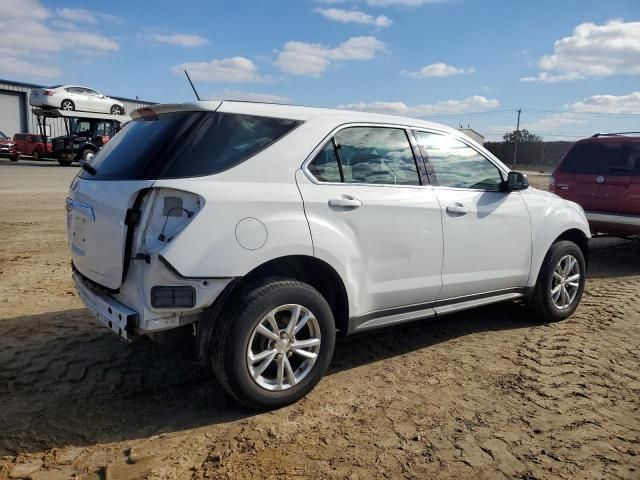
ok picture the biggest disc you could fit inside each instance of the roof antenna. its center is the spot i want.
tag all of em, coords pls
(191, 83)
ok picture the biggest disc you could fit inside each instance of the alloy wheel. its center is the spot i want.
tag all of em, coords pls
(565, 282)
(283, 347)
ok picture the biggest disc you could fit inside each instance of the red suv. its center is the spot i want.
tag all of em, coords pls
(602, 173)
(30, 144)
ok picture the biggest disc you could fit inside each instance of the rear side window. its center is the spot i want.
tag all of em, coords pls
(185, 144)
(602, 158)
(372, 155)
(325, 165)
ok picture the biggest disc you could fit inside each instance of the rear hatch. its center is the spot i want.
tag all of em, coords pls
(602, 175)
(166, 142)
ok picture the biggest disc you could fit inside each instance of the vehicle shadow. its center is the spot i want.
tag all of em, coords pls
(66, 381)
(613, 258)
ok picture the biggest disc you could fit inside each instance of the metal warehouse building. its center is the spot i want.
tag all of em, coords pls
(16, 116)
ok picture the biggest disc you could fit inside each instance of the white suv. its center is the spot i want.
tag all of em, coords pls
(271, 228)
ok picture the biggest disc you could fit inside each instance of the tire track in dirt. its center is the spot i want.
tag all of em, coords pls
(578, 378)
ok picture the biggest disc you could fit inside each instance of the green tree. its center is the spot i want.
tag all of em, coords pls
(522, 136)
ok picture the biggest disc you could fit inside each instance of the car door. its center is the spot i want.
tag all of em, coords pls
(94, 100)
(374, 217)
(487, 231)
(78, 97)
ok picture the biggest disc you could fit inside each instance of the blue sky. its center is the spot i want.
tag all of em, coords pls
(572, 66)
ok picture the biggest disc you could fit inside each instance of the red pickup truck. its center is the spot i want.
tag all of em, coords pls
(30, 144)
(602, 174)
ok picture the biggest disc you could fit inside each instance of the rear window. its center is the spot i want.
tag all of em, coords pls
(602, 158)
(185, 144)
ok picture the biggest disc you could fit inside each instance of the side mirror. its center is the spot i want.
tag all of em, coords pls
(516, 181)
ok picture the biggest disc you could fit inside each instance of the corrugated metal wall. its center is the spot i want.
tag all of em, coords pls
(56, 124)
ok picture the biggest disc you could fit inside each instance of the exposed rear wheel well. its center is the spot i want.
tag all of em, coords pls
(316, 273)
(579, 238)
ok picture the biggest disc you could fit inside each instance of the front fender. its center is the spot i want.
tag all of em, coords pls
(551, 217)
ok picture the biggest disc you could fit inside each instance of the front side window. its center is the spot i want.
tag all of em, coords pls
(80, 127)
(185, 144)
(457, 165)
(372, 155)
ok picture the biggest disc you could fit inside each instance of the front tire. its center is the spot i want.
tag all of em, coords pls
(36, 155)
(88, 154)
(560, 282)
(67, 105)
(273, 343)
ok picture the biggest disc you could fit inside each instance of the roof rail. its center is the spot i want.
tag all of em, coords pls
(613, 134)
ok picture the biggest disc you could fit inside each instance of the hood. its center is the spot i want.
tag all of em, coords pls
(6, 141)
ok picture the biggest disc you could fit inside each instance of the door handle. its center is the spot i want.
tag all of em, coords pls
(346, 202)
(457, 209)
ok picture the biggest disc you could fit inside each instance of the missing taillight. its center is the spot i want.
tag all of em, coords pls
(166, 213)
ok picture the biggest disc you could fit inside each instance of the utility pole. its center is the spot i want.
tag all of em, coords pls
(517, 139)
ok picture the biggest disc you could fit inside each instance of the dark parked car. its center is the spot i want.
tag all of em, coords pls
(87, 136)
(31, 144)
(602, 173)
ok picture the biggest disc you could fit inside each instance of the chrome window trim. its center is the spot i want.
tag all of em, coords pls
(320, 146)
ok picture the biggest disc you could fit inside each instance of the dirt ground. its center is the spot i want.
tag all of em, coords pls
(487, 394)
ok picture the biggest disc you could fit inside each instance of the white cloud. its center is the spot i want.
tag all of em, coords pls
(403, 3)
(439, 70)
(390, 108)
(178, 39)
(252, 96)
(28, 30)
(546, 77)
(608, 104)
(300, 58)
(232, 70)
(553, 122)
(83, 16)
(353, 16)
(388, 3)
(16, 67)
(593, 50)
(446, 107)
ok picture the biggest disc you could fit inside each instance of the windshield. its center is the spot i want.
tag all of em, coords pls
(603, 158)
(185, 144)
(2, 135)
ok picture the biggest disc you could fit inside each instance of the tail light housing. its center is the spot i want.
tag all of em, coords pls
(165, 213)
(48, 93)
(552, 183)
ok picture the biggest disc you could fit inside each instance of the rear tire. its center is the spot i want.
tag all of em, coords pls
(117, 110)
(292, 370)
(560, 282)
